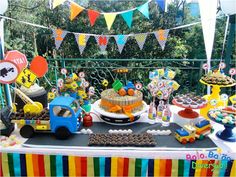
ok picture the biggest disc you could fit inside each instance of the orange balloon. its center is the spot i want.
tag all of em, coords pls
(39, 66)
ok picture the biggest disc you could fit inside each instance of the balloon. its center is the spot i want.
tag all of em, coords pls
(3, 6)
(39, 66)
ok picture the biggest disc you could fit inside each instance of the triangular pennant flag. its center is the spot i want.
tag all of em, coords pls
(161, 36)
(109, 17)
(75, 10)
(144, 10)
(102, 42)
(93, 15)
(161, 4)
(81, 40)
(141, 38)
(58, 35)
(120, 41)
(128, 17)
(56, 3)
(208, 11)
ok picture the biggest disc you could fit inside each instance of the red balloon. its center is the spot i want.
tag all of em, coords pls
(39, 66)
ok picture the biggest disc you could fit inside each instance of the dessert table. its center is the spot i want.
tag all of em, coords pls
(20, 160)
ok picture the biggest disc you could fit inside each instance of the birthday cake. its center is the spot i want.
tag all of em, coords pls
(111, 101)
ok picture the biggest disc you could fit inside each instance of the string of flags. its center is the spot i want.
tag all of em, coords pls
(93, 15)
(102, 40)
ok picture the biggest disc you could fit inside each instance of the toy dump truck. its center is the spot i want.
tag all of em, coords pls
(62, 118)
(190, 133)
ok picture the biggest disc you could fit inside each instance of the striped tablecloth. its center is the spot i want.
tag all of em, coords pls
(14, 164)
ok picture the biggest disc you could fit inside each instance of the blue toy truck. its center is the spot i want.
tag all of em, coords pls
(62, 118)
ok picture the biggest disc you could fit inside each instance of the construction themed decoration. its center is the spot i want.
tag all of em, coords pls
(18, 58)
(189, 133)
(62, 118)
(216, 79)
(77, 87)
(26, 78)
(9, 71)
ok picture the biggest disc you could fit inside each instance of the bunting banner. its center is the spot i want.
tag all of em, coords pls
(59, 35)
(161, 4)
(93, 15)
(102, 41)
(141, 38)
(144, 10)
(56, 3)
(161, 36)
(120, 41)
(109, 18)
(81, 40)
(127, 15)
(75, 10)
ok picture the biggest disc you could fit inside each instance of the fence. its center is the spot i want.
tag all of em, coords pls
(189, 71)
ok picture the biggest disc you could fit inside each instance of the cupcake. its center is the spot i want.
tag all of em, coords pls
(185, 104)
(193, 105)
(179, 101)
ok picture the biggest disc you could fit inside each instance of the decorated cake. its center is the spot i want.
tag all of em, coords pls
(111, 101)
(122, 99)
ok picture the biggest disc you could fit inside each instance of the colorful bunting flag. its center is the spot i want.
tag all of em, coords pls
(58, 35)
(161, 36)
(128, 17)
(141, 38)
(81, 40)
(75, 10)
(102, 42)
(56, 3)
(93, 15)
(144, 10)
(161, 4)
(110, 18)
(120, 41)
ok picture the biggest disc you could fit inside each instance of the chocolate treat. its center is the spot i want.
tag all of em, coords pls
(137, 140)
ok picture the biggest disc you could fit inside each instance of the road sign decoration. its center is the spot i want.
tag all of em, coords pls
(8, 72)
(18, 58)
(26, 78)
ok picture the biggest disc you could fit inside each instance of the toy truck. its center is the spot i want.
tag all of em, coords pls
(123, 90)
(203, 128)
(62, 118)
(185, 134)
(188, 133)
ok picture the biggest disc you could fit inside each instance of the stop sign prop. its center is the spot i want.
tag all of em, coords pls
(18, 58)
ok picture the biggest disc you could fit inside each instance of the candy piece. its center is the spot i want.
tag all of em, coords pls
(122, 92)
(224, 121)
